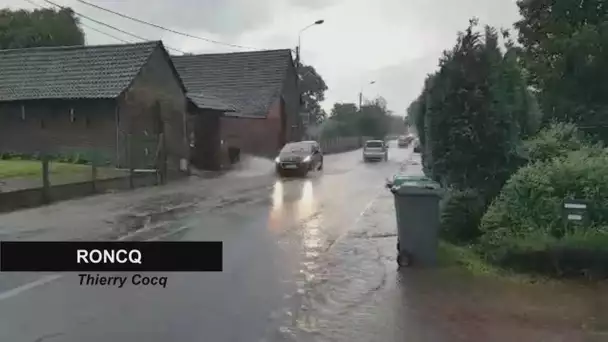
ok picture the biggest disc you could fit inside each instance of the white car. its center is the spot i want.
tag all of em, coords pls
(375, 150)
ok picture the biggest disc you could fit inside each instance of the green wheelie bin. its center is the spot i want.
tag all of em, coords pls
(417, 201)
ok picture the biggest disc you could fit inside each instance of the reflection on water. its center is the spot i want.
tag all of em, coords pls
(292, 201)
(274, 219)
(277, 196)
(306, 203)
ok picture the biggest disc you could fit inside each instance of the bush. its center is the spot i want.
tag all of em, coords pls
(557, 140)
(580, 253)
(461, 213)
(525, 220)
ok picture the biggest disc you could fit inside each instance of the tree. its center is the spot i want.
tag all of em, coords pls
(565, 50)
(374, 119)
(344, 117)
(44, 27)
(313, 89)
(466, 112)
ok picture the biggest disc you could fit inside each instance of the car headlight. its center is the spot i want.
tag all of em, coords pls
(307, 159)
(277, 160)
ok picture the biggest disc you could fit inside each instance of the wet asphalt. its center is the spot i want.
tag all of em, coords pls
(275, 232)
(305, 259)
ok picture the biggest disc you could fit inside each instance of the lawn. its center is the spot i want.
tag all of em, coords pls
(32, 168)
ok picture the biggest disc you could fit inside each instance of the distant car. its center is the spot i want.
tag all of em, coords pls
(405, 140)
(299, 158)
(375, 150)
(402, 141)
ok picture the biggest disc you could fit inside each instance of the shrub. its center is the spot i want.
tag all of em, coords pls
(557, 140)
(526, 218)
(461, 213)
(579, 253)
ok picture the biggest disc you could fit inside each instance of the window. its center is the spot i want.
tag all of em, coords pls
(374, 144)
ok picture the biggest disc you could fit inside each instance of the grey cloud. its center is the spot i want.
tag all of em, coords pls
(226, 18)
(400, 84)
(313, 4)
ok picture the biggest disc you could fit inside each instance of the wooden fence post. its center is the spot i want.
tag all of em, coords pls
(94, 174)
(46, 184)
(131, 168)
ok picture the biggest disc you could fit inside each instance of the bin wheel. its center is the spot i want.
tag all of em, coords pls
(404, 259)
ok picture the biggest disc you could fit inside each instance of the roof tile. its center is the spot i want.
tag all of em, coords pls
(248, 80)
(70, 72)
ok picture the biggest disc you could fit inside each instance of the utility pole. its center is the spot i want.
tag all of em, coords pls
(299, 63)
(361, 95)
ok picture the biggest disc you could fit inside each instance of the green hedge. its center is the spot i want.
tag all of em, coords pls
(524, 225)
(461, 213)
(557, 140)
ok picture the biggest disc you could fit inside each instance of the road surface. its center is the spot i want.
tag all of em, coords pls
(304, 260)
(273, 232)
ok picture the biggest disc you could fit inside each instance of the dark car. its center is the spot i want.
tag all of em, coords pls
(299, 158)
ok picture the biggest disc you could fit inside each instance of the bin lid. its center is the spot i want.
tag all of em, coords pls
(413, 184)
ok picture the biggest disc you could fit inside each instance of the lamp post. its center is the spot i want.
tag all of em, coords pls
(361, 104)
(298, 60)
(298, 48)
(361, 94)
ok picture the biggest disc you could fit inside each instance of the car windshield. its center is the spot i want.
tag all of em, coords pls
(296, 148)
(374, 144)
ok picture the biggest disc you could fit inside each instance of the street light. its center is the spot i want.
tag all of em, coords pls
(318, 22)
(361, 94)
(298, 64)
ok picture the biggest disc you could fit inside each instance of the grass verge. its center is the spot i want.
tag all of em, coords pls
(467, 259)
(32, 168)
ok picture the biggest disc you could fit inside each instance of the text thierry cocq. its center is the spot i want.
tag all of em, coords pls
(120, 256)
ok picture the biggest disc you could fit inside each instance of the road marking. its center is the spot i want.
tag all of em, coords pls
(18, 290)
(173, 232)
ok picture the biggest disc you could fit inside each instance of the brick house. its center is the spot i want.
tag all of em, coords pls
(108, 99)
(261, 85)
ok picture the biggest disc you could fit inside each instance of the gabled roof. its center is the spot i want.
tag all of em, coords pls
(203, 101)
(251, 81)
(71, 72)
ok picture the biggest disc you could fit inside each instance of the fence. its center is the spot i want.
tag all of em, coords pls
(341, 144)
(44, 181)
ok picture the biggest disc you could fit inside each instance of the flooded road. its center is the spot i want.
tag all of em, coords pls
(305, 259)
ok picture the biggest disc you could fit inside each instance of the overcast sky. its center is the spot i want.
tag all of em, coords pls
(392, 42)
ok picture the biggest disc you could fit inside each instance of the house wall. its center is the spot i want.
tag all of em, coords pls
(257, 136)
(49, 127)
(154, 97)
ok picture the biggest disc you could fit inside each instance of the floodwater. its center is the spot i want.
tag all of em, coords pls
(305, 259)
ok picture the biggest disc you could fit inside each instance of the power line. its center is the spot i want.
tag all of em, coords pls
(85, 25)
(108, 25)
(165, 28)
